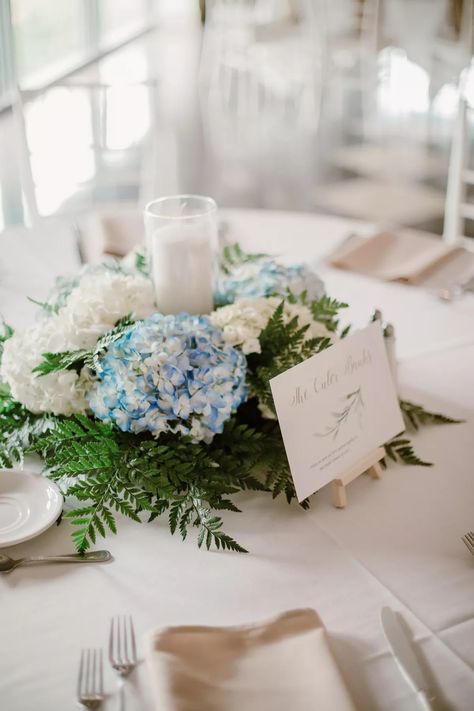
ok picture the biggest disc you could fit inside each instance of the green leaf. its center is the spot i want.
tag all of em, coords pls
(141, 263)
(234, 256)
(401, 450)
(53, 362)
(50, 308)
(416, 415)
(19, 429)
(325, 310)
(6, 332)
(283, 345)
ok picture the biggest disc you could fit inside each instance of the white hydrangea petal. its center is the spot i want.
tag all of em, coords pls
(61, 393)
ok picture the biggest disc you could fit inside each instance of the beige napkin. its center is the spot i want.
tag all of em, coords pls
(279, 665)
(113, 231)
(407, 256)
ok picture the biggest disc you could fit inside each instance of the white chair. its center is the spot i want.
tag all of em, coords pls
(352, 43)
(457, 208)
(260, 92)
(452, 52)
(83, 145)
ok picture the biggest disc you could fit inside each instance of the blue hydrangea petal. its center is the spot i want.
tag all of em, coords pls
(170, 374)
(266, 277)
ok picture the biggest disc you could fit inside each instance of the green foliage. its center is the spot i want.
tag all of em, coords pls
(141, 263)
(234, 256)
(326, 310)
(50, 308)
(283, 345)
(278, 477)
(58, 296)
(415, 416)
(189, 509)
(111, 471)
(401, 450)
(19, 428)
(6, 332)
(53, 362)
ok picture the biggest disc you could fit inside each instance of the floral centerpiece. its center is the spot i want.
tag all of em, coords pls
(146, 414)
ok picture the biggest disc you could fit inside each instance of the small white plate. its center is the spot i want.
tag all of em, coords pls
(29, 504)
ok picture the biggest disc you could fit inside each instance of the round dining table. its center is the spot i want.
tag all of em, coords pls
(397, 543)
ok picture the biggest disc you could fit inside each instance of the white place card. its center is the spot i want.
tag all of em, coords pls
(336, 408)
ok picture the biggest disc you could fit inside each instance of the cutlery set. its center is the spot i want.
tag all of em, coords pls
(122, 650)
(122, 658)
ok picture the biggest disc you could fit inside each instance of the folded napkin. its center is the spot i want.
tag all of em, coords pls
(279, 665)
(112, 231)
(406, 256)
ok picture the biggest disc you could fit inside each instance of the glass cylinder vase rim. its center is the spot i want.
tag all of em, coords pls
(211, 207)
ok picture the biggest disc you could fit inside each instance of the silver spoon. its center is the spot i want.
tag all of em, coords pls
(7, 564)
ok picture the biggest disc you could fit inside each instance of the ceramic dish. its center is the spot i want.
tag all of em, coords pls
(29, 504)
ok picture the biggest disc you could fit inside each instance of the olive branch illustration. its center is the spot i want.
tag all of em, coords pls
(354, 406)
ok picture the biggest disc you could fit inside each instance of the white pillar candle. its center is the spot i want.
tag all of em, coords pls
(182, 268)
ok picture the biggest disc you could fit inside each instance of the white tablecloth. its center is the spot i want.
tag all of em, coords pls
(397, 543)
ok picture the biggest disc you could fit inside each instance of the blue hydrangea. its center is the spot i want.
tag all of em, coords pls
(265, 277)
(170, 374)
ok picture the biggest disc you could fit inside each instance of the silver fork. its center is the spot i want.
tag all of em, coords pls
(90, 682)
(468, 540)
(122, 650)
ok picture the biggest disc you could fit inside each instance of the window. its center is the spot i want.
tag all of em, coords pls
(49, 38)
(119, 18)
(42, 41)
(6, 56)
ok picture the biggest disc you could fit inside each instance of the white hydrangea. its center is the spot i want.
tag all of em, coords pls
(100, 300)
(92, 309)
(61, 393)
(243, 321)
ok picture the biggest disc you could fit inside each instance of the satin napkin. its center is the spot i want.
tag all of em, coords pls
(282, 664)
(406, 256)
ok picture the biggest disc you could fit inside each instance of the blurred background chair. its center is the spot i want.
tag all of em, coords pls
(95, 154)
(261, 84)
(459, 205)
(344, 107)
(86, 145)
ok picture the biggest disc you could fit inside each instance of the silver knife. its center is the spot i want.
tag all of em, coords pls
(405, 657)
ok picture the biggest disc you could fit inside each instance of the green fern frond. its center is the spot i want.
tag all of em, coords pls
(19, 429)
(67, 360)
(283, 345)
(416, 415)
(233, 256)
(141, 263)
(325, 310)
(401, 450)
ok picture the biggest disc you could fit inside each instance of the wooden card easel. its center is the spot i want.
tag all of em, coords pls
(370, 464)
